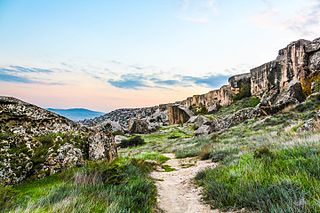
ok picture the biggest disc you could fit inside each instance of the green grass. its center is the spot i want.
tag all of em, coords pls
(155, 156)
(280, 180)
(238, 105)
(194, 147)
(165, 140)
(120, 186)
(168, 168)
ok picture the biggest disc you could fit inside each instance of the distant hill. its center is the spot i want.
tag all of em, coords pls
(76, 114)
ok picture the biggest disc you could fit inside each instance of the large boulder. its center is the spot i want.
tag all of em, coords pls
(203, 130)
(138, 126)
(213, 108)
(198, 120)
(228, 121)
(275, 100)
(178, 114)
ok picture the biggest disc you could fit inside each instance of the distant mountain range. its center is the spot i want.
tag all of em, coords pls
(77, 114)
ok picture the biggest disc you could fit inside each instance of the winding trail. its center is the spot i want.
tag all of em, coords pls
(176, 190)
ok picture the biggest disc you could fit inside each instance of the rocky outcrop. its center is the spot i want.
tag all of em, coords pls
(178, 114)
(138, 126)
(36, 142)
(155, 116)
(299, 61)
(220, 124)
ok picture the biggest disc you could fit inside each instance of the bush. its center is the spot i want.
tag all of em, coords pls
(133, 141)
(311, 103)
(245, 91)
(202, 110)
(262, 151)
(6, 196)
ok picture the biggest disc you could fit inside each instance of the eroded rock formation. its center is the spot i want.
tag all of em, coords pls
(178, 114)
(293, 75)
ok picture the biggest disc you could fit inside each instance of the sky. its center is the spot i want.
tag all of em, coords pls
(108, 54)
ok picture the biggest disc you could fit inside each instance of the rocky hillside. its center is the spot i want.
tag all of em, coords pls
(287, 80)
(36, 142)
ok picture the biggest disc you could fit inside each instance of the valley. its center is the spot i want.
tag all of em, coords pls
(250, 146)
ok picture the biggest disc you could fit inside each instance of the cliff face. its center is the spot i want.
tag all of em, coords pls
(36, 142)
(178, 114)
(299, 61)
(297, 64)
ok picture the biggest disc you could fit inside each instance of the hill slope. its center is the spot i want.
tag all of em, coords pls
(36, 142)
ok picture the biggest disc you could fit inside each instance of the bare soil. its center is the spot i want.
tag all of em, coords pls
(177, 192)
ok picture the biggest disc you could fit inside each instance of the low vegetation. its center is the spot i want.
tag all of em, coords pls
(132, 141)
(279, 180)
(239, 104)
(120, 186)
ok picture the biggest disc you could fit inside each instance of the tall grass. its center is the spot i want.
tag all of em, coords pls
(120, 186)
(282, 180)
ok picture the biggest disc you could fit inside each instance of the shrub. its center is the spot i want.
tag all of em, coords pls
(262, 151)
(202, 110)
(133, 141)
(311, 103)
(204, 153)
(6, 196)
(245, 91)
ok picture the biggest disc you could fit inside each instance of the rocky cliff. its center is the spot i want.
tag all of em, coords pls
(299, 61)
(292, 76)
(36, 142)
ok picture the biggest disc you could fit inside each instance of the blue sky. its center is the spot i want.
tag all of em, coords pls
(126, 53)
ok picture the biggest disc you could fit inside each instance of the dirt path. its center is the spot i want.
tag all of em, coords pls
(176, 190)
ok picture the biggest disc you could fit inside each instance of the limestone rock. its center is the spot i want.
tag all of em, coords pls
(138, 126)
(204, 129)
(220, 124)
(214, 108)
(178, 114)
(198, 120)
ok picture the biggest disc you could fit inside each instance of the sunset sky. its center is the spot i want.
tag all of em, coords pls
(107, 54)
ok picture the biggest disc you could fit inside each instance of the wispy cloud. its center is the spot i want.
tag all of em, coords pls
(197, 11)
(208, 81)
(11, 78)
(129, 81)
(306, 22)
(22, 74)
(140, 81)
(29, 69)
